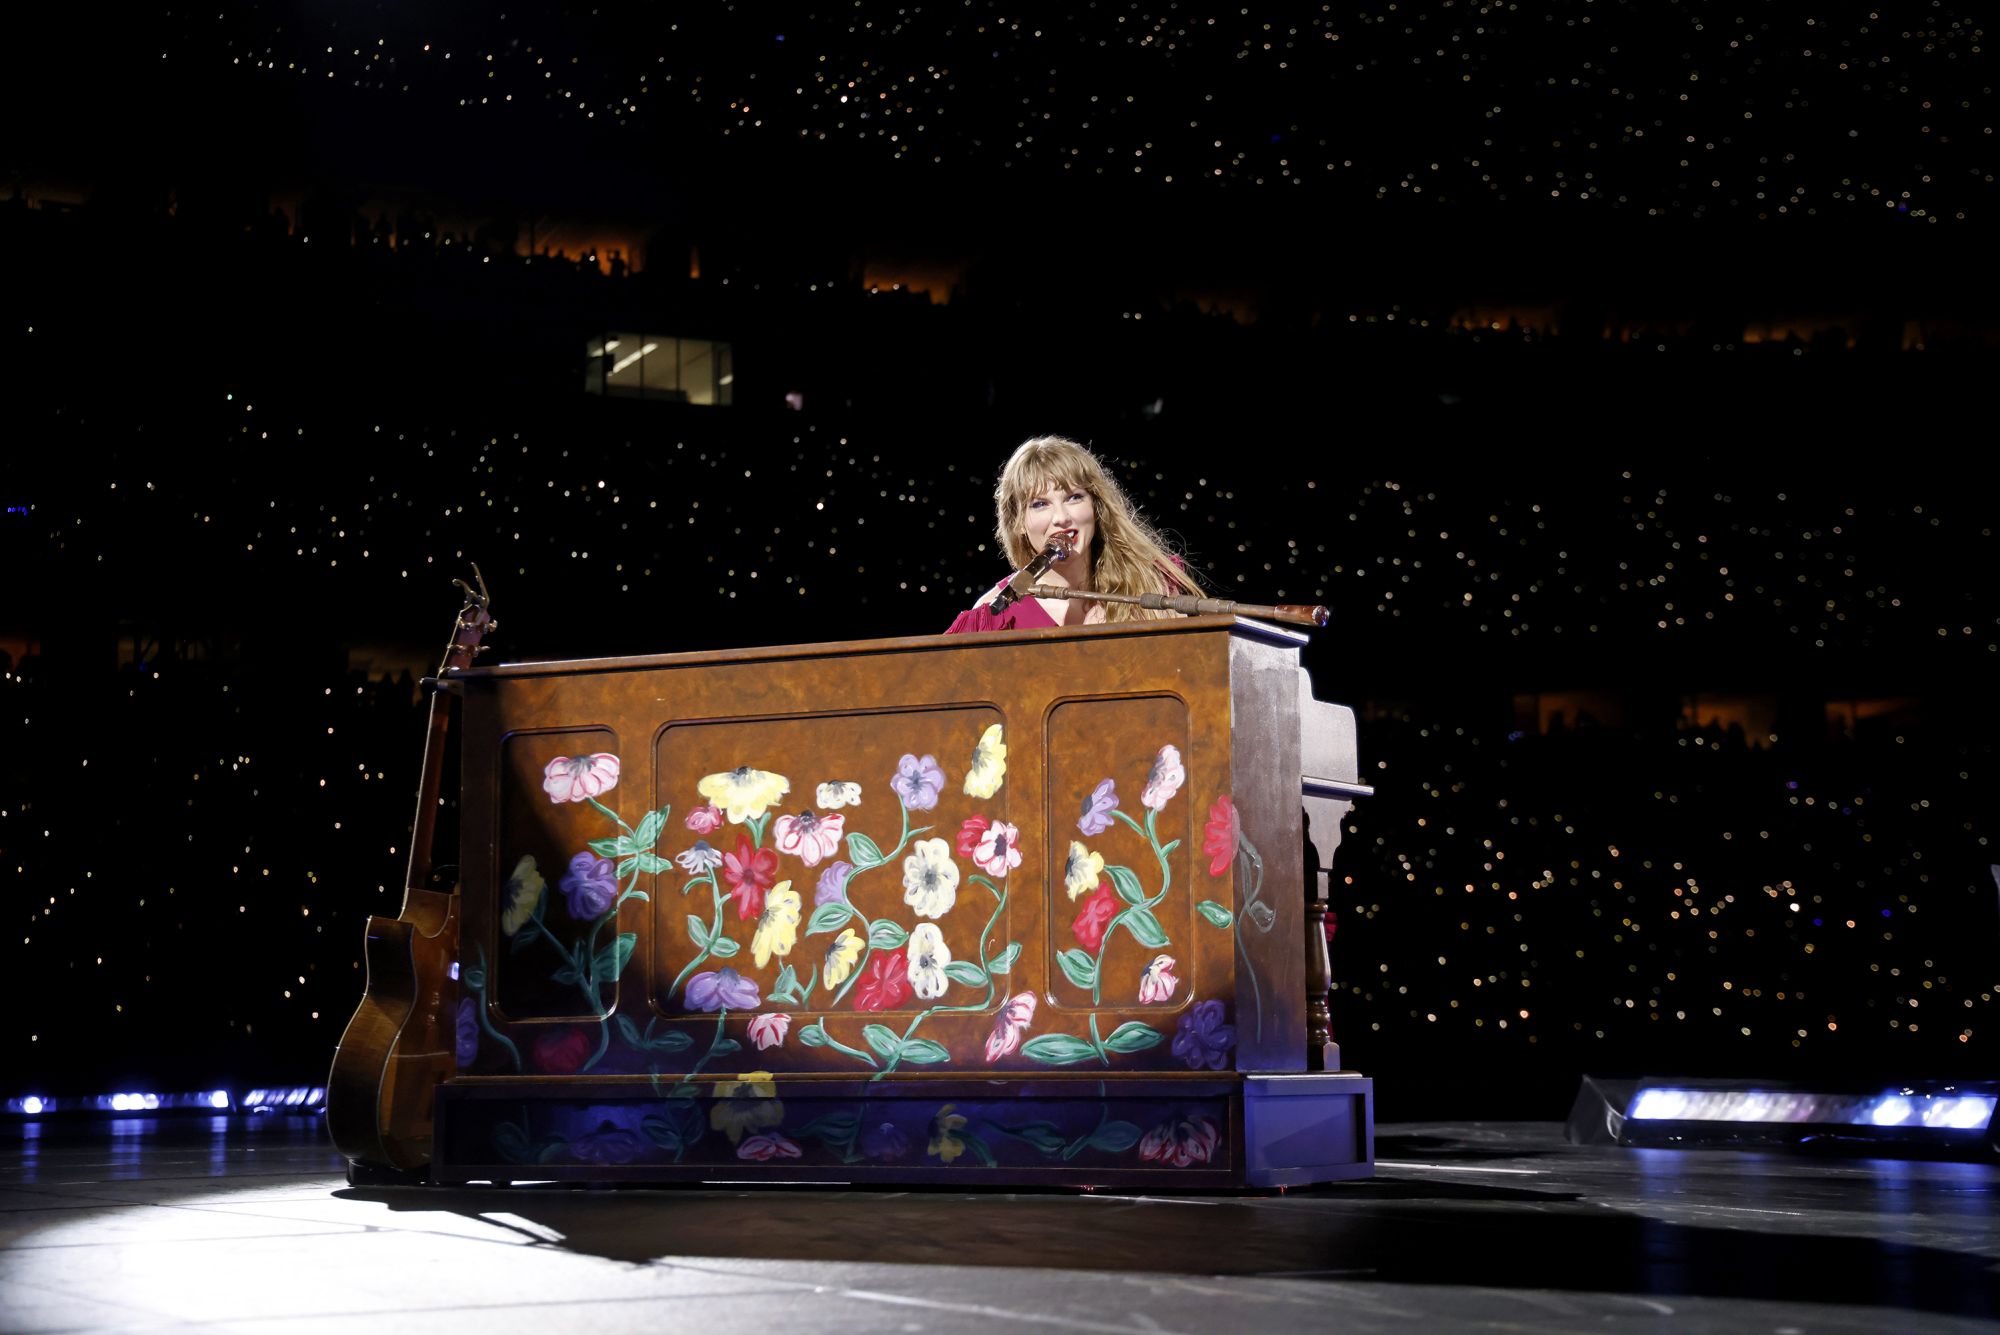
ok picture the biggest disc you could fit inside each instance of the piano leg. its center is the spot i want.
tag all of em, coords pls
(1322, 1053)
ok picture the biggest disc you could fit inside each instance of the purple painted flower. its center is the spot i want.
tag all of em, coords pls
(885, 1142)
(832, 886)
(468, 1032)
(1097, 809)
(1204, 1040)
(607, 1145)
(726, 988)
(591, 886)
(918, 782)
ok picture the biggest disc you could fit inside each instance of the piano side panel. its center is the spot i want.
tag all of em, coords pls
(1269, 869)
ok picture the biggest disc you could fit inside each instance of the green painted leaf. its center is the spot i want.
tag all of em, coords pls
(1004, 961)
(723, 948)
(510, 1142)
(658, 1130)
(882, 1038)
(835, 1128)
(653, 863)
(611, 960)
(635, 894)
(1262, 916)
(1115, 1137)
(1044, 1136)
(966, 972)
(624, 867)
(786, 984)
(1133, 1037)
(649, 829)
(923, 1052)
(1215, 913)
(1126, 882)
(1078, 967)
(828, 918)
(671, 1042)
(724, 1047)
(522, 940)
(979, 1150)
(609, 848)
(886, 935)
(814, 1035)
(863, 851)
(567, 977)
(697, 932)
(1166, 850)
(1058, 1050)
(475, 979)
(629, 1031)
(541, 904)
(1146, 929)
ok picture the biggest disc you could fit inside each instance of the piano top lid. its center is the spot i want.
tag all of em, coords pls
(1248, 627)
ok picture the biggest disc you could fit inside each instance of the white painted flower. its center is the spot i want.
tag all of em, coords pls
(1157, 983)
(998, 850)
(809, 836)
(834, 796)
(927, 955)
(1164, 779)
(930, 878)
(580, 778)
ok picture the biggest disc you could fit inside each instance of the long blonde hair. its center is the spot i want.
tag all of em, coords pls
(1127, 554)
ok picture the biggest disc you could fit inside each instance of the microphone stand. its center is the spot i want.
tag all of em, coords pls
(1296, 614)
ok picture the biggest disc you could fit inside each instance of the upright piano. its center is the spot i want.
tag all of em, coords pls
(1041, 906)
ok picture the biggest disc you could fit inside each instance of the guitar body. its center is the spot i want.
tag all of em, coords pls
(401, 1044)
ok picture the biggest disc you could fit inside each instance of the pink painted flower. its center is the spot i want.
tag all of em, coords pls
(768, 1031)
(1218, 837)
(1182, 1142)
(562, 1050)
(1158, 982)
(1094, 915)
(706, 818)
(1009, 1025)
(997, 851)
(809, 837)
(1164, 779)
(572, 779)
(770, 1145)
(970, 833)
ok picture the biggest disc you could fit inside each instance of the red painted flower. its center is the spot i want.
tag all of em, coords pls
(1095, 915)
(969, 835)
(1218, 838)
(562, 1051)
(1182, 1142)
(886, 985)
(749, 872)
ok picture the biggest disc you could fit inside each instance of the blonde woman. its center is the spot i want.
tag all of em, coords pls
(1050, 487)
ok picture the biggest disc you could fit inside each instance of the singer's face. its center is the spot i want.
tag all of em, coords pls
(1064, 510)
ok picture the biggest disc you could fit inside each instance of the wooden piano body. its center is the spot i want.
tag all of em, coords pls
(1018, 908)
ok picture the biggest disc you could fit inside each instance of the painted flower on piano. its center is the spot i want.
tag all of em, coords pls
(998, 850)
(1182, 1142)
(1218, 838)
(768, 1031)
(578, 778)
(1158, 982)
(466, 1044)
(1164, 779)
(1082, 870)
(706, 818)
(989, 764)
(703, 857)
(562, 1050)
(744, 793)
(918, 782)
(770, 1145)
(722, 989)
(1097, 809)
(946, 1144)
(834, 796)
(590, 887)
(746, 1104)
(808, 836)
(1008, 1026)
(524, 892)
(1204, 1040)
(778, 928)
(969, 834)
(928, 956)
(749, 872)
(841, 957)
(831, 887)
(1094, 918)
(930, 878)
(884, 987)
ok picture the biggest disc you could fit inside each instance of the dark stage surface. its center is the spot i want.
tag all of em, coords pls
(246, 1224)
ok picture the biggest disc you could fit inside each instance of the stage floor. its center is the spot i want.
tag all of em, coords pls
(247, 1224)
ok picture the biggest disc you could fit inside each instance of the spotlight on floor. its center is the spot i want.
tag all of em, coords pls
(1934, 1119)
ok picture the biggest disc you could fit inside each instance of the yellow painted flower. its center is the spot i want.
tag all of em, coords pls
(945, 1141)
(989, 764)
(524, 891)
(841, 957)
(779, 927)
(745, 793)
(749, 1103)
(1081, 872)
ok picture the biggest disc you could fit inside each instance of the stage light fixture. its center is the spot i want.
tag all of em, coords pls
(1951, 1119)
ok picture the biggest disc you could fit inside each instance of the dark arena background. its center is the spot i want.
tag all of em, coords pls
(1617, 374)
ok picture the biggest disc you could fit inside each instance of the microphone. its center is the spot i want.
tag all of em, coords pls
(1027, 576)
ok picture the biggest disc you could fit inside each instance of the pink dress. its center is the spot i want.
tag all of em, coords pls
(1025, 614)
